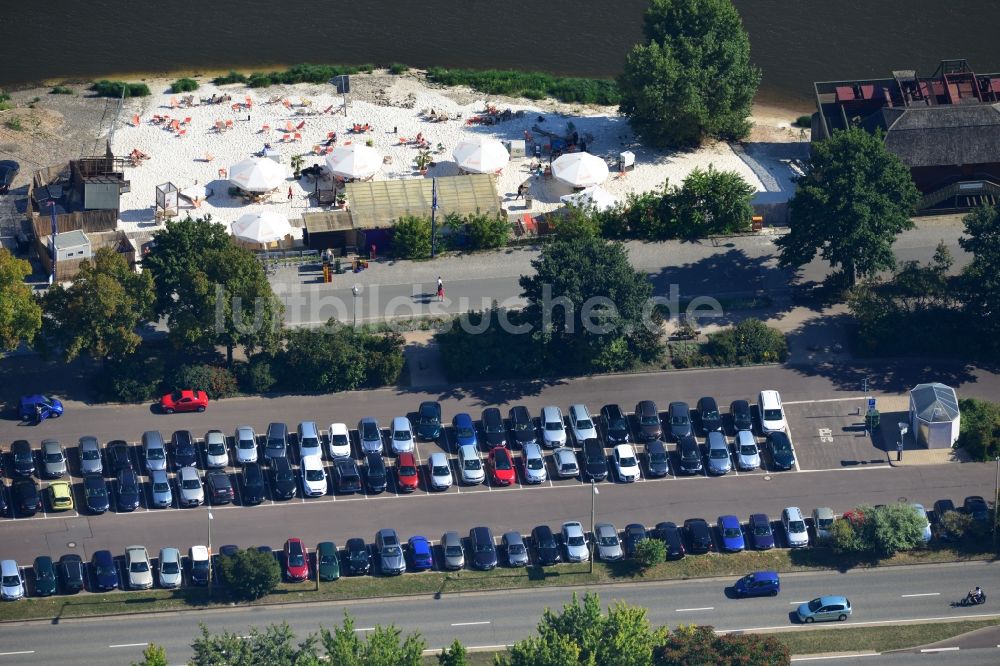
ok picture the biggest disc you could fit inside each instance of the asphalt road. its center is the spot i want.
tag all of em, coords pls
(879, 596)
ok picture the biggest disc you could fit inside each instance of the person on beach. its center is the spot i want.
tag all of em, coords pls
(440, 289)
(289, 194)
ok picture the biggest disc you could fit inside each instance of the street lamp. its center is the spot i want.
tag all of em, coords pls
(593, 513)
(210, 519)
(996, 496)
(356, 290)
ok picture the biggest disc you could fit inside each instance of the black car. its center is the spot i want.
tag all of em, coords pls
(546, 546)
(657, 461)
(253, 484)
(595, 463)
(104, 571)
(128, 490)
(633, 534)
(976, 507)
(429, 420)
(95, 493)
(679, 420)
(26, 497)
(648, 418)
(494, 431)
(45, 576)
(671, 537)
(739, 411)
(346, 477)
(615, 424)
(699, 535)
(357, 559)
(690, 455)
(70, 571)
(220, 488)
(709, 415)
(781, 450)
(4, 504)
(484, 551)
(185, 452)
(23, 457)
(118, 456)
(376, 476)
(522, 426)
(283, 478)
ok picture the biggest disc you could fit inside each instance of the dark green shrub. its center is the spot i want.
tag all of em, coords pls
(259, 80)
(61, 90)
(258, 376)
(133, 380)
(249, 574)
(487, 232)
(106, 88)
(750, 341)
(411, 238)
(803, 121)
(650, 552)
(4, 96)
(533, 85)
(231, 77)
(384, 358)
(340, 358)
(398, 68)
(183, 85)
(216, 381)
(980, 429)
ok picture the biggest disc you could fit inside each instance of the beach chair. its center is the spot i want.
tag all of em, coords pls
(175, 125)
(222, 173)
(173, 102)
(317, 150)
(286, 103)
(265, 129)
(289, 127)
(229, 124)
(181, 133)
(187, 121)
(328, 109)
(135, 120)
(298, 136)
(285, 137)
(249, 102)
(300, 125)
(209, 157)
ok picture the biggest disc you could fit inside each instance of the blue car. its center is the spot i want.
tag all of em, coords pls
(39, 407)
(105, 571)
(731, 534)
(760, 531)
(420, 548)
(465, 430)
(758, 584)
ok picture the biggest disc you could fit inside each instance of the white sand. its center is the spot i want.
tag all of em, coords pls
(182, 160)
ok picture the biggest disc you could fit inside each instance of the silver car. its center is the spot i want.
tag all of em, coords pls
(154, 452)
(170, 567)
(191, 490)
(163, 496)
(91, 461)
(565, 463)
(216, 453)
(140, 574)
(440, 471)
(53, 459)
(575, 542)
(534, 464)
(747, 451)
(581, 423)
(370, 435)
(553, 428)
(402, 435)
(513, 545)
(454, 554)
(246, 445)
(718, 453)
(471, 465)
(390, 553)
(609, 546)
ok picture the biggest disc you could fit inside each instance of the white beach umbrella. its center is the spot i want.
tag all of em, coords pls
(354, 161)
(261, 227)
(580, 169)
(257, 174)
(595, 196)
(481, 154)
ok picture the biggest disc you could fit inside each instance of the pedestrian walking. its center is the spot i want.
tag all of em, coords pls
(289, 194)
(373, 251)
(440, 289)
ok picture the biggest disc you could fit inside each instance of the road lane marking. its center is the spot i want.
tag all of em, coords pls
(12, 654)
(468, 624)
(797, 603)
(365, 629)
(682, 610)
(838, 656)
(944, 649)
(127, 645)
(922, 594)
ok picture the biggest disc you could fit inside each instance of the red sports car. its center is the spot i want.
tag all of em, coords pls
(406, 470)
(184, 401)
(297, 567)
(502, 466)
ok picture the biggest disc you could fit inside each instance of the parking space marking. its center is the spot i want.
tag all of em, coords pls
(810, 402)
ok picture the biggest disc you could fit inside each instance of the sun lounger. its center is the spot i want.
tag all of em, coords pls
(286, 137)
(298, 136)
(173, 102)
(229, 124)
(328, 109)
(289, 127)
(286, 103)
(329, 149)
(175, 125)
(265, 129)
(187, 121)
(209, 157)
(249, 102)
(220, 126)
(181, 133)
(135, 120)
(317, 150)
(300, 125)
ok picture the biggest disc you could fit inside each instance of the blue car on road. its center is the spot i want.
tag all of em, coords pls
(39, 407)
(758, 584)
(465, 430)
(420, 549)
(731, 534)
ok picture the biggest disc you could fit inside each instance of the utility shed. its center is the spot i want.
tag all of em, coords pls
(934, 415)
(378, 204)
(71, 245)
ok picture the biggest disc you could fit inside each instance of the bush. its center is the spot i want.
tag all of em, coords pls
(411, 238)
(383, 357)
(803, 121)
(750, 341)
(487, 232)
(339, 358)
(106, 88)
(250, 574)
(183, 85)
(258, 375)
(534, 85)
(136, 379)
(14, 124)
(650, 552)
(879, 531)
(980, 429)
(61, 90)
(956, 524)
(231, 77)
(398, 68)
(216, 381)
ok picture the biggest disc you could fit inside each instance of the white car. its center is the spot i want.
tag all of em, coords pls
(402, 435)
(534, 464)
(771, 413)
(575, 542)
(201, 566)
(216, 454)
(140, 574)
(11, 582)
(565, 462)
(553, 429)
(313, 476)
(626, 463)
(922, 512)
(795, 527)
(471, 464)
(340, 441)
(747, 451)
(170, 567)
(309, 441)
(581, 423)
(440, 471)
(246, 445)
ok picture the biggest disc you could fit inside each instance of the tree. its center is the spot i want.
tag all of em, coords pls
(250, 574)
(980, 429)
(981, 277)
(20, 312)
(153, 655)
(453, 655)
(879, 531)
(650, 552)
(855, 198)
(487, 232)
(749, 341)
(340, 358)
(576, 222)
(713, 202)
(99, 313)
(692, 77)
(701, 645)
(411, 238)
(383, 646)
(274, 645)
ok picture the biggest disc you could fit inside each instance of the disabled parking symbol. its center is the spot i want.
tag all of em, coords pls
(825, 435)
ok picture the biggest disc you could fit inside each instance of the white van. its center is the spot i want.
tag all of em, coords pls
(795, 527)
(770, 412)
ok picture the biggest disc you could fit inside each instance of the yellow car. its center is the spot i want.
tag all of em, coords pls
(60, 496)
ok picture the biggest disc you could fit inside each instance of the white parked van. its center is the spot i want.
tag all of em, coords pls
(770, 412)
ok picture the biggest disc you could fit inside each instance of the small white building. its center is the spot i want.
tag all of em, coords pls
(934, 415)
(70, 245)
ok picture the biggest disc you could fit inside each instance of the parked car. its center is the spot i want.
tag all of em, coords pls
(407, 476)
(501, 466)
(679, 419)
(690, 455)
(69, 570)
(246, 445)
(11, 581)
(37, 408)
(626, 463)
(494, 431)
(823, 518)
(370, 435)
(283, 479)
(595, 462)
(104, 570)
(976, 507)
(309, 442)
(154, 452)
(53, 459)
(534, 464)
(216, 453)
(782, 453)
(200, 565)
(699, 535)
(719, 462)
(758, 584)
(465, 430)
(575, 542)
(759, 529)
(95, 493)
(91, 461)
(770, 412)
(339, 445)
(275, 442)
(254, 487)
(824, 608)
(60, 496)
(609, 546)
(184, 401)
(546, 546)
(390, 553)
(185, 451)
(23, 457)
(739, 412)
(327, 561)
(44, 573)
(672, 538)
(657, 460)
(922, 512)
(118, 456)
(633, 534)
(615, 424)
(25, 496)
(648, 418)
(730, 534)
(421, 554)
(5, 507)
(795, 527)
(747, 453)
(376, 478)
(296, 560)
(709, 415)
(429, 420)
(513, 547)
(402, 435)
(522, 426)
(553, 428)
(581, 423)
(220, 487)
(565, 463)
(128, 490)
(471, 465)
(346, 476)
(313, 477)
(357, 559)
(140, 573)
(189, 486)
(454, 554)
(484, 552)
(170, 568)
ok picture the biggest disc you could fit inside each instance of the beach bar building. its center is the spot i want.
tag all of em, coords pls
(944, 127)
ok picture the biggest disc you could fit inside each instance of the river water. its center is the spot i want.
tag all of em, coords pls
(795, 42)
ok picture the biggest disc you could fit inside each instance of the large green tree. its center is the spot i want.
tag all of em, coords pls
(981, 277)
(383, 646)
(99, 313)
(274, 644)
(692, 76)
(250, 574)
(855, 198)
(340, 358)
(713, 202)
(20, 313)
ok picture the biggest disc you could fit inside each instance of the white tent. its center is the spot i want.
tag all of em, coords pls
(354, 161)
(257, 174)
(261, 227)
(595, 196)
(580, 169)
(481, 154)
(934, 416)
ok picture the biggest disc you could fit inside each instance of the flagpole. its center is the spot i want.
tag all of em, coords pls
(210, 518)
(434, 205)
